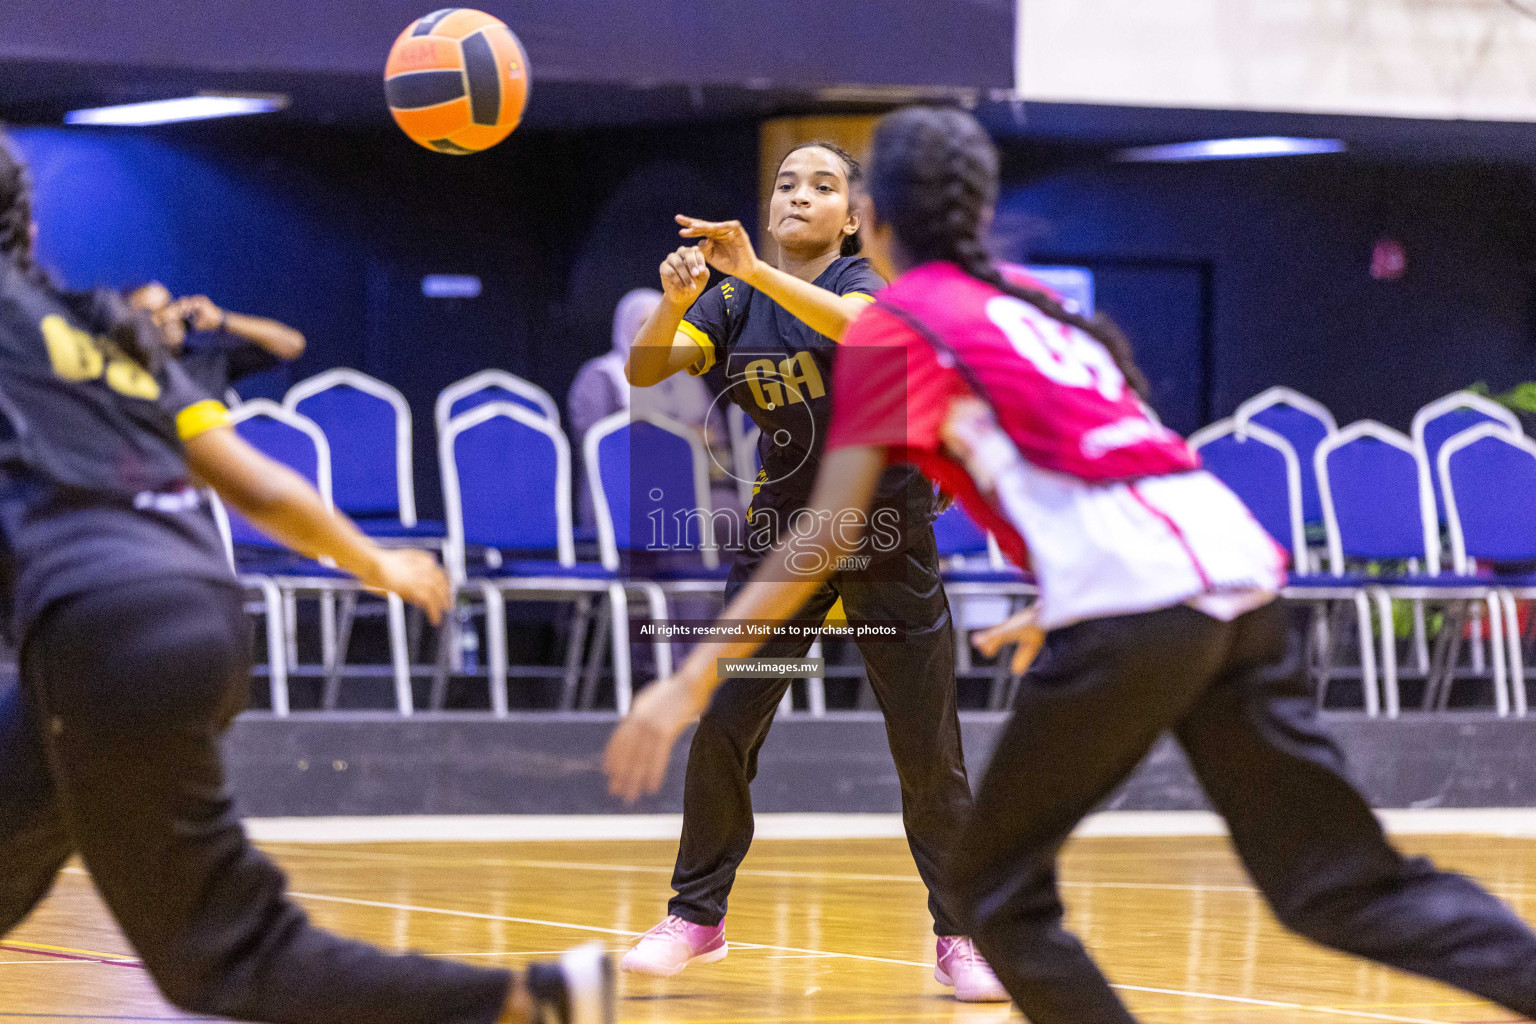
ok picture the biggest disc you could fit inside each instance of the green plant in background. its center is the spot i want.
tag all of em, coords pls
(1521, 398)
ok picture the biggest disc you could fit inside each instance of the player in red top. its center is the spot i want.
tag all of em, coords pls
(1157, 610)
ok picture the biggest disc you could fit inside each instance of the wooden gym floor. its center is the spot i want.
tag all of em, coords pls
(821, 931)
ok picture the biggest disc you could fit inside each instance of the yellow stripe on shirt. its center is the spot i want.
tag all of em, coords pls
(706, 345)
(861, 296)
(201, 417)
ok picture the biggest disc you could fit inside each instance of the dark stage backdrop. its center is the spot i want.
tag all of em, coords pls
(332, 232)
(1230, 276)
(1275, 255)
(786, 42)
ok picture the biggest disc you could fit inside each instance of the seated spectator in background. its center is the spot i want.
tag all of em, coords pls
(215, 346)
(600, 389)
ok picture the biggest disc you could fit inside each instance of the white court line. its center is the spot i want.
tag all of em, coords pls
(817, 954)
(1515, 823)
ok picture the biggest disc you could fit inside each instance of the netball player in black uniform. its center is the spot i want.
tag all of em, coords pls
(770, 326)
(1165, 622)
(135, 656)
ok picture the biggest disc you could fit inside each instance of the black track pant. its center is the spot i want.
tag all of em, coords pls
(914, 681)
(1236, 697)
(110, 749)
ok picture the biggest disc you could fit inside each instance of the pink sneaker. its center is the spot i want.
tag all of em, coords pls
(674, 944)
(964, 969)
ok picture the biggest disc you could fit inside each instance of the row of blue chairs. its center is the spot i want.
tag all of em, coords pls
(509, 535)
(1438, 515)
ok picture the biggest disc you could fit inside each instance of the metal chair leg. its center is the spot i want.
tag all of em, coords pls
(815, 686)
(345, 620)
(1496, 640)
(1368, 681)
(291, 627)
(328, 631)
(623, 684)
(277, 665)
(496, 646)
(656, 601)
(594, 665)
(581, 622)
(1388, 652)
(1516, 654)
(1420, 639)
(400, 655)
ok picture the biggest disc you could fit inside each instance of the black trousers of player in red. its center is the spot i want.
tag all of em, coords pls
(109, 749)
(914, 682)
(1236, 696)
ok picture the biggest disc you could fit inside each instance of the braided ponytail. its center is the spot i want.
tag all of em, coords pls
(102, 310)
(933, 176)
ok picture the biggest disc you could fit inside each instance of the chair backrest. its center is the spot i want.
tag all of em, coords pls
(492, 386)
(650, 487)
(1302, 421)
(958, 534)
(1261, 468)
(368, 426)
(1488, 477)
(506, 483)
(284, 436)
(1375, 504)
(1446, 417)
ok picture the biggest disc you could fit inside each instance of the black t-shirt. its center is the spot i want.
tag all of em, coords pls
(779, 370)
(216, 359)
(94, 486)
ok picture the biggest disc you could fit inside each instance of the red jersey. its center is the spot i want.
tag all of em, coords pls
(1112, 503)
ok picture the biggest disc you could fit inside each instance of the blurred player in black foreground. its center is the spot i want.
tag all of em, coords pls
(773, 327)
(135, 656)
(1157, 611)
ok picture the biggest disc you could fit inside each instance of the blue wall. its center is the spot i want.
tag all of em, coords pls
(1287, 248)
(332, 232)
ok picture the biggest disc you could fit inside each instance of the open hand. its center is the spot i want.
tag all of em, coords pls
(726, 245)
(1023, 629)
(641, 748)
(416, 577)
(684, 275)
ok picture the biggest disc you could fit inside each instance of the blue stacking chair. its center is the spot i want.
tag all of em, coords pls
(297, 442)
(493, 386)
(1488, 477)
(1260, 467)
(507, 494)
(1302, 421)
(650, 488)
(1446, 417)
(1377, 506)
(367, 424)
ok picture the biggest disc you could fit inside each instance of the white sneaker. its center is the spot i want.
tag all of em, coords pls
(579, 988)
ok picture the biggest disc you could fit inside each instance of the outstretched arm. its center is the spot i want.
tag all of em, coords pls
(727, 246)
(637, 755)
(277, 338)
(285, 507)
